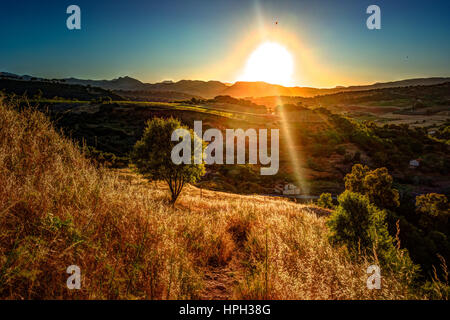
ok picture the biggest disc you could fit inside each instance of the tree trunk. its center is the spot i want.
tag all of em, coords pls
(175, 186)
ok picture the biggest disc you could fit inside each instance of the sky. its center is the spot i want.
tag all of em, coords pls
(212, 40)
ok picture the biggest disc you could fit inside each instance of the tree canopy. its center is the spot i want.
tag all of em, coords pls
(151, 156)
(375, 184)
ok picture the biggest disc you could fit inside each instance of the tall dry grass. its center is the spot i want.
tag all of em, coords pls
(284, 252)
(57, 210)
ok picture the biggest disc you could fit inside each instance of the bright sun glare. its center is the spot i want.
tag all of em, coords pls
(271, 63)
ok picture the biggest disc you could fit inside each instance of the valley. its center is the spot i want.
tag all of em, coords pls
(318, 133)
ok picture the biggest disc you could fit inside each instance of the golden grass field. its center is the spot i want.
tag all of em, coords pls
(57, 209)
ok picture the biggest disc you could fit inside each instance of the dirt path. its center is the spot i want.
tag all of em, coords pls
(220, 282)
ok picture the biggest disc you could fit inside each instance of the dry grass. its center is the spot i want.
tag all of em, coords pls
(57, 210)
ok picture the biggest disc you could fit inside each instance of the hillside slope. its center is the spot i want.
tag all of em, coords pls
(53, 89)
(58, 210)
(206, 89)
(240, 89)
(262, 89)
(393, 96)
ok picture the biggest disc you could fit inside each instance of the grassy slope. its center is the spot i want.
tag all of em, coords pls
(437, 94)
(222, 112)
(57, 210)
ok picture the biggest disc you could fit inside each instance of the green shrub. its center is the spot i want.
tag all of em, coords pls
(325, 200)
(361, 227)
(433, 210)
(375, 184)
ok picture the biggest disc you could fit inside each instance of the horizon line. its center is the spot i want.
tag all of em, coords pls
(229, 83)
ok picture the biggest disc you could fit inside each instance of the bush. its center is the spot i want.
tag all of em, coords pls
(434, 211)
(433, 204)
(354, 181)
(325, 200)
(375, 184)
(361, 227)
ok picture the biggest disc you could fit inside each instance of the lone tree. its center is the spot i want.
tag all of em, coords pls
(151, 156)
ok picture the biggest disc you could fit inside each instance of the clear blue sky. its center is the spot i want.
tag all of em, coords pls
(153, 41)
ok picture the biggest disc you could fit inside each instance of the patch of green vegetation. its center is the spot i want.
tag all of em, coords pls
(392, 146)
(401, 102)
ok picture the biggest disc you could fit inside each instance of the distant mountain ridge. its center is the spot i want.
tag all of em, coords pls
(240, 89)
(206, 89)
(260, 89)
(122, 83)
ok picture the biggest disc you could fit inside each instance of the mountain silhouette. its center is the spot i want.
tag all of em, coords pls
(240, 89)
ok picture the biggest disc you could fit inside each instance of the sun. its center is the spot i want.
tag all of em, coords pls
(271, 63)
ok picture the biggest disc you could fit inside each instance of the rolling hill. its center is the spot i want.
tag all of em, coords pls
(206, 89)
(50, 90)
(261, 89)
(240, 89)
(131, 244)
(401, 96)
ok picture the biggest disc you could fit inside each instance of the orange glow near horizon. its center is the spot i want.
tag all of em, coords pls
(306, 70)
(271, 63)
